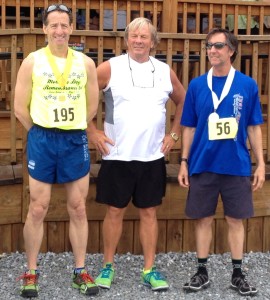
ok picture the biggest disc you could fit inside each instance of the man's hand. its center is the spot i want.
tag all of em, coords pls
(100, 140)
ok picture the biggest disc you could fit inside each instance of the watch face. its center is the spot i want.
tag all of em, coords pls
(174, 136)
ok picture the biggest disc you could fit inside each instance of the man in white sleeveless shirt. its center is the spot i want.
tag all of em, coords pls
(136, 87)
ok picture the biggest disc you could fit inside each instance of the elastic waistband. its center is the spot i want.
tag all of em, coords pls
(58, 130)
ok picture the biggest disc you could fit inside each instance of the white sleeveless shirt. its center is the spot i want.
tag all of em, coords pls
(135, 112)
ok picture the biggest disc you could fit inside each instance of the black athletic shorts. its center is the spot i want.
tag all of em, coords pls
(119, 182)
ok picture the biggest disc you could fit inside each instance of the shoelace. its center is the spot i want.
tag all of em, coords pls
(241, 280)
(29, 279)
(200, 278)
(106, 272)
(155, 274)
(86, 278)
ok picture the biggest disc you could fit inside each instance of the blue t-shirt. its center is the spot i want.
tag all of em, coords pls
(228, 156)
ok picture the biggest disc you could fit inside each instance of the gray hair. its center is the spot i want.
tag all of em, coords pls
(138, 23)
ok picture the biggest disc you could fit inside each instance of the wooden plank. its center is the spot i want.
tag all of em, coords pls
(266, 234)
(174, 236)
(17, 238)
(137, 243)
(6, 175)
(254, 234)
(221, 236)
(13, 133)
(10, 204)
(56, 236)
(162, 232)
(168, 13)
(6, 240)
(44, 244)
(68, 247)
(17, 171)
(189, 242)
(126, 241)
(93, 237)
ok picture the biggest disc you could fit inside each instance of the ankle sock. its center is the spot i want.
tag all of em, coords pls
(78, 270)
(202, 263)
(147, 271)
(237, 267)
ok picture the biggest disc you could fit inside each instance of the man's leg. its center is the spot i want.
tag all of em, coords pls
(203, 234)
(148, 235)
(78, 228)
(78, 233)
(236, 235)
(40, 194)
(112, 231)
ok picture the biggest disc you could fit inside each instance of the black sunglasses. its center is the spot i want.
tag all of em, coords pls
(60, 7)
(217, 45)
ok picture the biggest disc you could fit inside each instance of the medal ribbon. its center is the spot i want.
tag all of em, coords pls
(61, 78)
(226, 87)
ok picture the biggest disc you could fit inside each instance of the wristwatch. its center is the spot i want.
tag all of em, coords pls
(183, 159)
(174, 136)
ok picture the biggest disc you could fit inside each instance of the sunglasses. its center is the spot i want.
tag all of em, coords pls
(60, 7)
(218, 45)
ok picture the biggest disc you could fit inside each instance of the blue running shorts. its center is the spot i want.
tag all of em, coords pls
(57, 156)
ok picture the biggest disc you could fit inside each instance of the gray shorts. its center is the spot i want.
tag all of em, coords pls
(205, 188)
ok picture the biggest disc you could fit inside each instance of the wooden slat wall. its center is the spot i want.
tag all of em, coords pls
(176, 233)
(185, 53)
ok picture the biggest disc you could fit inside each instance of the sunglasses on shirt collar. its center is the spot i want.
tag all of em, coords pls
(59, 7)
(217, 45)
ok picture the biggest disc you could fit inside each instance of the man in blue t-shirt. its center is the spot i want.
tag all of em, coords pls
(221, 111)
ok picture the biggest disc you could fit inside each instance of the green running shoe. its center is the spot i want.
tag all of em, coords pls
(154, 280)
(85, 283)
(105, 277)
(29, 289)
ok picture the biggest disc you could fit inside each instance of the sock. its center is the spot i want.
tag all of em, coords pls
(32, 271)
(78, 270)
(237, 267)
(146, 271)
(202, 262)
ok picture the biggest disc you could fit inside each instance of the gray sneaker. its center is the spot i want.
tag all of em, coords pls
(240, 284)
(197, 282)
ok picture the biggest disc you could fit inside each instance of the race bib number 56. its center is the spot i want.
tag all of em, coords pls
(220, 129)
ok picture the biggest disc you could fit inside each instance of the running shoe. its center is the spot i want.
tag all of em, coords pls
(155, 280)
(197, 282)
(84, 283)
(244, 288)
(105, 277)
(29, 289)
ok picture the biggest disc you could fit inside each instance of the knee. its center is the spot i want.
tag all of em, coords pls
(115, 213)
(37, 211)
(234, 223)
(205, 222)
(77, 210)
(148, 213)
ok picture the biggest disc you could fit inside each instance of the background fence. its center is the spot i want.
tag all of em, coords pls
(182, 26)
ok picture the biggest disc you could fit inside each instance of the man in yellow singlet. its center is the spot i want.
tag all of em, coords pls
(56, 96)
